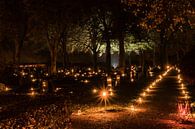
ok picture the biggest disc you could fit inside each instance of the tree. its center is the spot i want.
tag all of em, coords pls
(167, 17)
(14, 23)
(54, 19)
(87, 38)
(106, 20)
(128, 16)
(102, 12)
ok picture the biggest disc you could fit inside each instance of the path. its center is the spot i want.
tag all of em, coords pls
(159, 110)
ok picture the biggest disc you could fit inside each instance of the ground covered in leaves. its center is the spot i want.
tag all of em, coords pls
(162, 107)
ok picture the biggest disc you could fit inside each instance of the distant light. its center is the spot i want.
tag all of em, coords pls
(123, 75)
(132, 108)
(144, 94)
(151, 74)
(95, 90)
(79, 112)
(44, 84)
(159, 67)
(7, 89)
(140, 100)
(110, 89)
(33, 80)
(89, 69)
(57, 89)
(109, 81)
(111, 93)
(86, 81)
(118, 77)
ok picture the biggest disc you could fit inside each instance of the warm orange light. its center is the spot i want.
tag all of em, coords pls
(123, 75)
(94, 90)
(79, 112)
(104, 94)
(111, 94)
(33, 80)
(144, 94)
(7, 88)
(132, 108)
(140, 100)
(86, 81)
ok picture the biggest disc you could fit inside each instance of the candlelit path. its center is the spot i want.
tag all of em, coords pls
(158, 110)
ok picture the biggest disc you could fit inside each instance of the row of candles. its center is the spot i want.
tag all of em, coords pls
(182, 88)
(147, 91)
(184, 105)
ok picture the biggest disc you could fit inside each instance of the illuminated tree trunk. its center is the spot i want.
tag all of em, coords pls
(108, 55)
(94, 47)
(121, 55)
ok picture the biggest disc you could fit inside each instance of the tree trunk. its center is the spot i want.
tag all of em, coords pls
(65, 55)
(108, 55)
(143, 64)
(121, 55)
(53, 54)
(63, 41)
(163, 50)
(18, 47)
(17, 53)
(154, 57)
(95, 60)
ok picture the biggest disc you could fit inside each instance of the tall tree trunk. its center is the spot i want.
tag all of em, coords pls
(166, 53)
(18, 45)
(108, 55)
(63, 41)
(65, 55)
(154, 57)
(130, 59)
(121, 55)
(53, 54)
(17, 53)
(163, 51)
(95, 60)
(143, 64)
